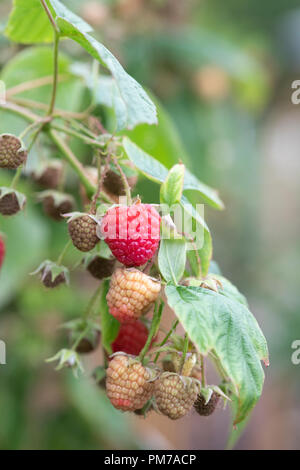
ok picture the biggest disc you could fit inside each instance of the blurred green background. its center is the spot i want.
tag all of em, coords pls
(221, 73)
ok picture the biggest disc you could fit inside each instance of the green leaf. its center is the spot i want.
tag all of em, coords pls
(28, 23)
(62, 11)
(171, 189)
(172, 259)
(148, 165)
(162, 141)
(139, 107)
(202, 255)
(109, 325)
(157, 172)
(208, 194)
(199, 258)
(216, 323)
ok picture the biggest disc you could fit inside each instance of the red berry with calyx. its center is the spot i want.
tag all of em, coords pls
(131, 339)
(2, 251)
(132, 233)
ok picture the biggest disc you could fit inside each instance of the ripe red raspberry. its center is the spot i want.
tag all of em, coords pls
(175, 395)
(131, 293)
(2, 251)
(206, 409)
(131, 339)
(132, 233)
(12, 152)
(128, 383)
(83, 232)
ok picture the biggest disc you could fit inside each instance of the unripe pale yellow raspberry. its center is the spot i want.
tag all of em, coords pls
(128, 384)
(131, 293)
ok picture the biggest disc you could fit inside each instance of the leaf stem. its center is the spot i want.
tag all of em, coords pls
(92, 301)
(173, 328)
(16, 178)
(55, 27)
(153, 329)
(202, 365)
(185, 350)
(55, 74)
(61, 256)
(74, 163)
(73, 133)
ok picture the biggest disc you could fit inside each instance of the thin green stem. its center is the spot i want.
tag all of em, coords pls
(173, 328)
(55, 27)
(72, 160)
(80, 337)
(55, 74)
(16, 178)
(125, 181)
(203, 378)
(93, 301)
(28, 129)
(153, 329)
(64, 251)
(87, 140)
(185, 350)
(20, 111)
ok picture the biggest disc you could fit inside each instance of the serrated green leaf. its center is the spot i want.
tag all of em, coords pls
(172, 187)
(63, 12)
(139, 107)
(218, 323)
(172, 259)
(209, 195)
(148, 165)
(157, 172)
(109, 325)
